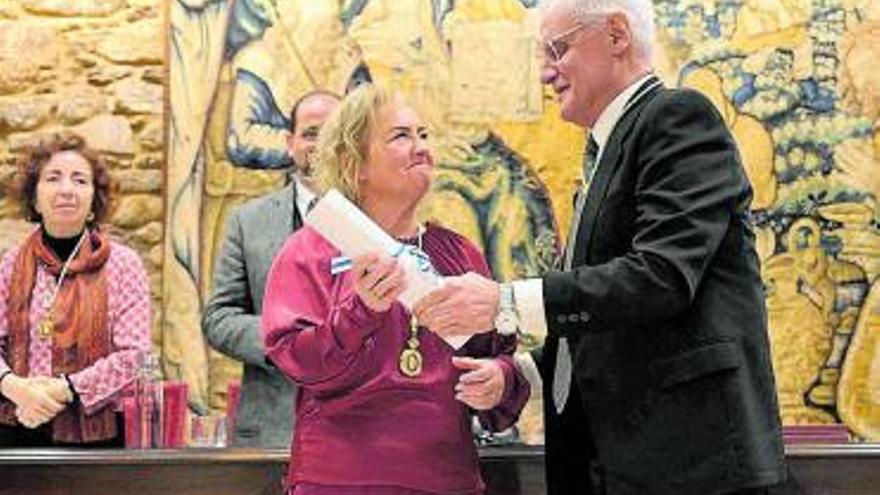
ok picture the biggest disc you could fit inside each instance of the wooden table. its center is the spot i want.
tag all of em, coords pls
(815, 470)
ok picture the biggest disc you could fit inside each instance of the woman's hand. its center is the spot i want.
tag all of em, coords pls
(378, 280)
(482, 385)
(57, 388)
(34, 399)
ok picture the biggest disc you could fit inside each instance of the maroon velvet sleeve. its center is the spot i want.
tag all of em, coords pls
(313, 332)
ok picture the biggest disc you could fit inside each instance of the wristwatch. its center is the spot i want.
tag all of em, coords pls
(507, 318)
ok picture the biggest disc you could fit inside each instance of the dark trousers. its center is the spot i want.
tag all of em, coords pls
(578, 471)
(575, 469)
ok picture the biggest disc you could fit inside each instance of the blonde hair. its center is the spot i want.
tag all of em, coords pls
(344, 139)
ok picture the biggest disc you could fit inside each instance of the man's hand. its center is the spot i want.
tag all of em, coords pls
(465, 305)
(34, 403)
(482, 385)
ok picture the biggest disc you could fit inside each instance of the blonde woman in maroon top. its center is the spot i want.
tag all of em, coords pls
(385, 406)
(74, 306)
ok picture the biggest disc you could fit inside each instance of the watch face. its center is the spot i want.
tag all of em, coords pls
(506, 323)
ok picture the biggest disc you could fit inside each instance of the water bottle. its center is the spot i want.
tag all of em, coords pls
(148, 396)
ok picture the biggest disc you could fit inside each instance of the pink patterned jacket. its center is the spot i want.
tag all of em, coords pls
(128, 296)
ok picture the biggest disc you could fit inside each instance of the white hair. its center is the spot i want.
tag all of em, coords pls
(639, 13)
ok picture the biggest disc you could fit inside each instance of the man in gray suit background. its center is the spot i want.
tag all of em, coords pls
(231, 322)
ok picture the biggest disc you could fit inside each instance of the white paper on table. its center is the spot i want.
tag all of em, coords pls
(351, 231)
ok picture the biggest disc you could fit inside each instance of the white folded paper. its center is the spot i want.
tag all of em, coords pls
(351, 231)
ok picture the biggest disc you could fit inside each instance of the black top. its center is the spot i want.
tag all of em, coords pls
(61, 246)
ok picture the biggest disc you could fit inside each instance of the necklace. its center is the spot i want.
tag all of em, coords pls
(47, 323)
(411, 359)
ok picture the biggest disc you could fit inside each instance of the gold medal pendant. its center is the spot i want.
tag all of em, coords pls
(411, 363)
(410, 358)
(46, 325)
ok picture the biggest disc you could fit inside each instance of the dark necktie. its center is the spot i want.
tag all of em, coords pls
(589, 168)
(562, 373)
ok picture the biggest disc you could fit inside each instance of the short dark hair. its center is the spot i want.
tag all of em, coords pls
(311, 94)
(31, 163)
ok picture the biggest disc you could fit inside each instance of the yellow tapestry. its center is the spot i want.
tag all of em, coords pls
(792, 78)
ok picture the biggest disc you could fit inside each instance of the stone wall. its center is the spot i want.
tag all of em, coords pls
(95, 67)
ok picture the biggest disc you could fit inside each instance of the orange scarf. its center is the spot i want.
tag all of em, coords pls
(80, 335)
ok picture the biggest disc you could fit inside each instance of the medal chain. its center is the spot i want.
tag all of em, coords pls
(47, 324)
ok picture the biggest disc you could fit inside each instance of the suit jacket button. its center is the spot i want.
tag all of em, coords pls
(560, 318)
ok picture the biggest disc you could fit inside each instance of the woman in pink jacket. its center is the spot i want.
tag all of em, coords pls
(74, 306)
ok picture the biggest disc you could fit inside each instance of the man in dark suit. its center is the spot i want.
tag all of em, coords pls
(231, 321)
(656, 367)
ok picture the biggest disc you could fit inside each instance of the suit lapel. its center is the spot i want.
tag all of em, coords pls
(280, 219)
(608, 163)
(282, 208)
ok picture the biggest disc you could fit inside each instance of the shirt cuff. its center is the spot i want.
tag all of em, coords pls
(529, 369)
(529, 296)
(74, 395)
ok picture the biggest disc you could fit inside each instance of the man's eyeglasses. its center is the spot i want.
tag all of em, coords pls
(556, 46)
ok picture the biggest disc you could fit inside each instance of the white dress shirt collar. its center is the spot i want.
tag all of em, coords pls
(608, 118)
(304, 196)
